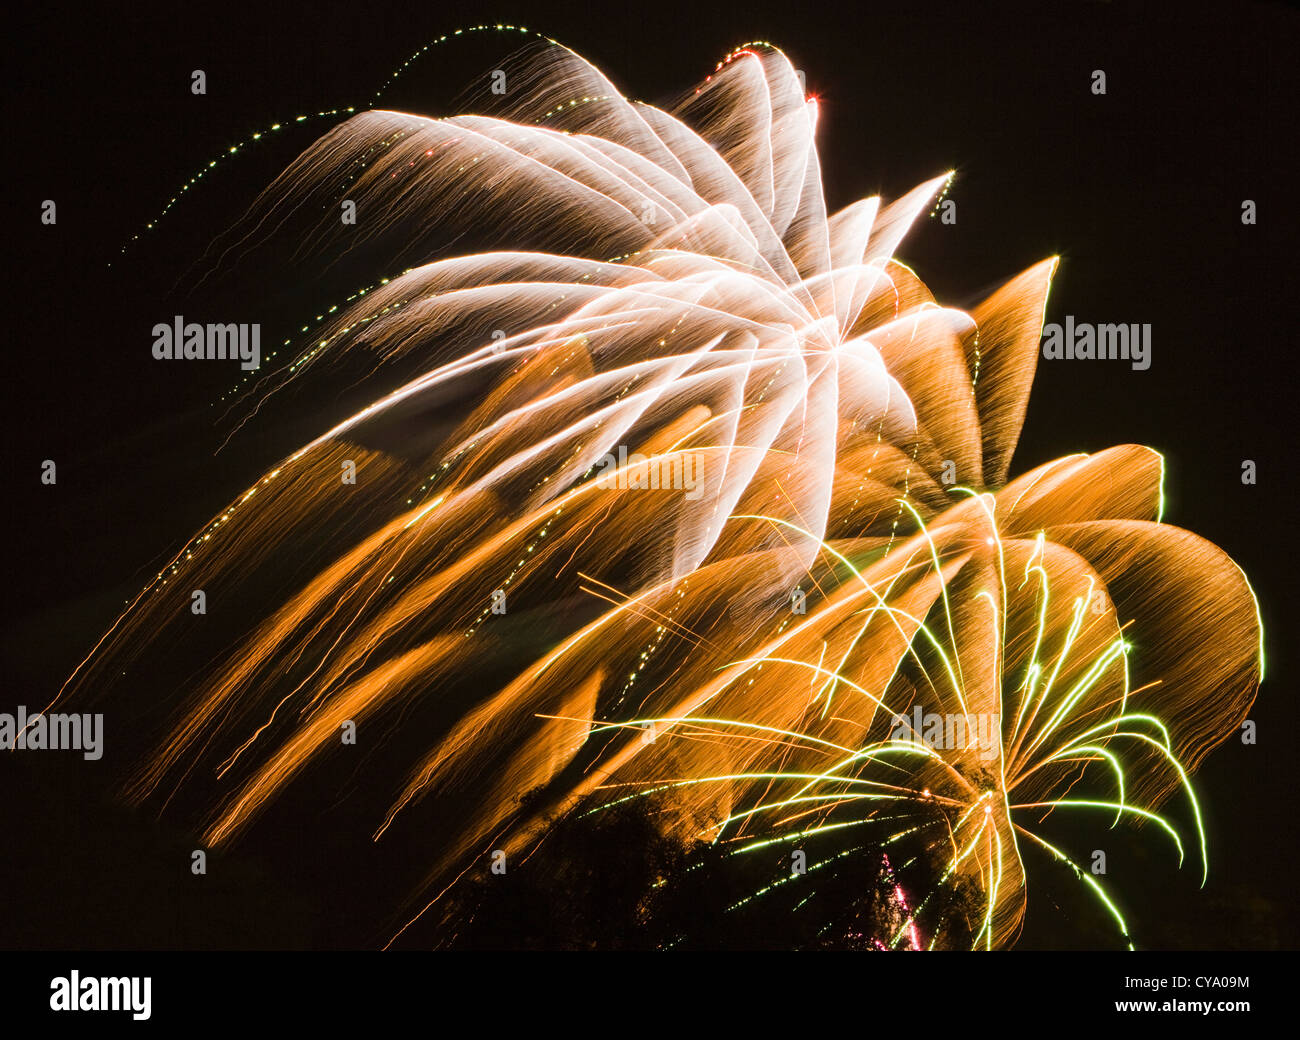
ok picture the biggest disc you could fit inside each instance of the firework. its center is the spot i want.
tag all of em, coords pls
(948, 696)
(708, 493)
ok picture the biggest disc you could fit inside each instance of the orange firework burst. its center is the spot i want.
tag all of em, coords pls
(727, 517)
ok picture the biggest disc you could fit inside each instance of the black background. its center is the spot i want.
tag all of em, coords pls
(1139, 192)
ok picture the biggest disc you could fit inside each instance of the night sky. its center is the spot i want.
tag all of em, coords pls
(1139, 191)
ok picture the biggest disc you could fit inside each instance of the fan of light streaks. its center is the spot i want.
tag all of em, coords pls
(668, 283)
(1084, 647)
